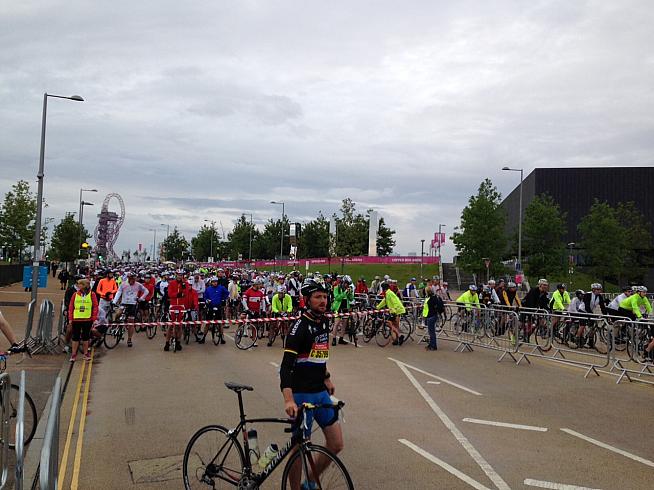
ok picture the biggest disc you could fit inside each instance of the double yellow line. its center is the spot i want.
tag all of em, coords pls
(71, 426)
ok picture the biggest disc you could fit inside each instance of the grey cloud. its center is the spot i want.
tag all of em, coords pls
(218, 107)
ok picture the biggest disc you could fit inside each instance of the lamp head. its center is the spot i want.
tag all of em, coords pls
(77, 98)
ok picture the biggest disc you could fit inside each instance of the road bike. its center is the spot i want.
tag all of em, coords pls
(30, 418)
(377, 326)
(246, 334)
(215, 457)
(116, 329)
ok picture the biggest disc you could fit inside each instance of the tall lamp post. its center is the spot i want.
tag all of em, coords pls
(213, 224)
(422, 255)
(154, 244)
(167, 228)
(281, 246)
(39, 196)
(571, 264)
(519, 216)
(440, 261)
(250, 250)
(81, 213)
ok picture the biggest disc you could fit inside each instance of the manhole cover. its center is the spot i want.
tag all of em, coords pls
(157, 470)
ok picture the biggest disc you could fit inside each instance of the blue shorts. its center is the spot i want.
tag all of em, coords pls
(324, 416)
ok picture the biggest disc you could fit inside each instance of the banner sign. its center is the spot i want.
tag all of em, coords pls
(393, 259)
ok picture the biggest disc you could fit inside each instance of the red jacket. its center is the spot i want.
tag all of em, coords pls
(182, 296)
(361, 288)
(94, 310)
(149, 285)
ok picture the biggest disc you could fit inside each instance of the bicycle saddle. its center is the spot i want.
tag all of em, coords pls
(236, 387)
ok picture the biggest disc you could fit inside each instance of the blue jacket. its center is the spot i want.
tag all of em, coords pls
(218, 295)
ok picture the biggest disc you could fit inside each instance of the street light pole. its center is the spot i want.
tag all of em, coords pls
(250, 252)
(440, 261)
(422, 255)
(213, 223)
(519, 214)
(39, 195)
(281, 246)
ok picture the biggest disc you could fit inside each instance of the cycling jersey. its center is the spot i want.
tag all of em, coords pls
(560, 302)
(509, 297)
(469, 298)
(254, 300)
(393, 303)
(633, 304)
(343, 296)
(216, 294)
(615, 304)
(306, 353)
(282, 306)
(233, 290)
(149, 285)
(107, 288)
(128, 294)
(200, 287)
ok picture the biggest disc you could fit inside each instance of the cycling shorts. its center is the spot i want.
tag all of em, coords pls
(144, 305)
(130, 310)
(323, 416)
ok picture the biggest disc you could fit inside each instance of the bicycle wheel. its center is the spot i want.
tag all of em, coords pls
(186, 333)
(29, 420)
(383, 335)
(245, 336)
(272, 333)
(405, 329)
(113, 335)
(457, 323)
(301, 467)
(213, 459)
(368, 330)
(151, 331)
(541, 335)
(598, 339)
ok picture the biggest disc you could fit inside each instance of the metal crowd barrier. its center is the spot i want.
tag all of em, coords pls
(20, 434)
(43, 340)
(49, 468)
(5, 413)
(526, 333)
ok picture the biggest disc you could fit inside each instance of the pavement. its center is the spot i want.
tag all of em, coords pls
(413, 419)
(41, 370)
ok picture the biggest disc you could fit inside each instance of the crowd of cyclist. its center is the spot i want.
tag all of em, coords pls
(95, 298)
(632, 303)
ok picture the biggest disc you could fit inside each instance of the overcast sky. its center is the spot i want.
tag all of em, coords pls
(206, 109)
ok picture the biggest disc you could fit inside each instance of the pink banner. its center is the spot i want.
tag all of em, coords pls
(393, 259)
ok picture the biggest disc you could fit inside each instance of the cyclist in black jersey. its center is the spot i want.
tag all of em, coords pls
(303, 372)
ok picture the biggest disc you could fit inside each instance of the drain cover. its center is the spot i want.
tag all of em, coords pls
(157, 470)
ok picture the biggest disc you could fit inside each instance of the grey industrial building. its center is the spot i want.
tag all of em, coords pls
(575, 190)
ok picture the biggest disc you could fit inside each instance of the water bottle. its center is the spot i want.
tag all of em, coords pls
(253, 443)
(268, 455)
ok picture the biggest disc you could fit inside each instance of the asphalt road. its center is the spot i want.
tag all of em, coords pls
(413, 419)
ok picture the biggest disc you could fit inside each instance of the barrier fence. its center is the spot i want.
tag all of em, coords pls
(5, 414)
(597, 343)
(43, 340)
(20, 433)
(49, 467)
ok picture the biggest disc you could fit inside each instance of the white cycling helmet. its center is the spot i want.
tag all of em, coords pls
(543, 281)
(472, 287)
(281, 289)
(596, 285)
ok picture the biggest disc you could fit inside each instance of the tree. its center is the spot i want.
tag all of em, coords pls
(175, 246)
(269, 240)
(385, 240)
(543, 229)
(207, 243)
(603, 241)
(239, 238)
(65, 244)
(481, 232)
(17, 215)
(351, 230)
(638, 241)
(314, 239)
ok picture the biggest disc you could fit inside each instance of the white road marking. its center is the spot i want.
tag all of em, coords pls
(228, 336)
(460, 475)
(479, 459)
(554, 486)
(274, 364)
(433, 382)
(609, 447)
(452, 383)
(504, 424)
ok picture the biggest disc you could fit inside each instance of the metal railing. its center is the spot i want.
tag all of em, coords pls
(595, 343)
(43, 340)
(49, 468)
(5, 413)
(20, 434)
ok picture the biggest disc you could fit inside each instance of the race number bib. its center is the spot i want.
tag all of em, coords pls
(320, 351)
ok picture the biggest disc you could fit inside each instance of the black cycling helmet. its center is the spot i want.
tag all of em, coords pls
(310, 286)
(385, 286)
(560, 286)
(579, 293)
